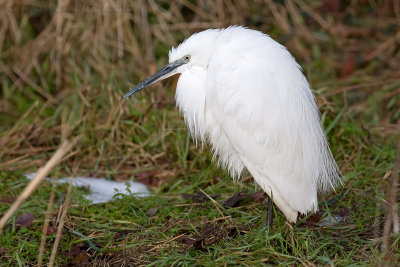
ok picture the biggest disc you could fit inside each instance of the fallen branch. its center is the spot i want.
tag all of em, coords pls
(34, 183)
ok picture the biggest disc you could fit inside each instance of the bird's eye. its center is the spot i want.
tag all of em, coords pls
(186, 58)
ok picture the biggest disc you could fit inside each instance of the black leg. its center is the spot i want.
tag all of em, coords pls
(270, 213)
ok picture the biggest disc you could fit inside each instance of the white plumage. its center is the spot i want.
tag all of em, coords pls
(245, 95)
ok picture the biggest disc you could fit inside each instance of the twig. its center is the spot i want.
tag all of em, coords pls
(215, 203)
(383, 47)
(59, 17)
(361, 85)
(34, 183)
(60, 227)
(4, 140)
(317, 17)
(46, 225)
(32, 84)
(392, 216)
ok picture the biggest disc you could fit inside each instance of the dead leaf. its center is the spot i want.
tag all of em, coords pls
(259, 196)
(199, 197)
(79, 255)
(312, 220)
(316, 219)
(8, 200)
(235, 199)
(24, 219)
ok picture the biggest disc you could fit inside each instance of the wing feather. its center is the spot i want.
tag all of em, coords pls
(266, 111)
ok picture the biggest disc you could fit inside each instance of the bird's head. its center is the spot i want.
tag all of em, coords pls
(193, 52)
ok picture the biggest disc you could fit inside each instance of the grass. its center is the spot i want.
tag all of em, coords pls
(159, 229)
(348, 54)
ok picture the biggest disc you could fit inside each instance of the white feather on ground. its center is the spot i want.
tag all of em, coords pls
(102, 190)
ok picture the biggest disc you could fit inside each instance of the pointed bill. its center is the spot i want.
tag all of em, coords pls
(162, 74)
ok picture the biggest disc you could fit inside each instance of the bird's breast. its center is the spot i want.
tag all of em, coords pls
(191, 100)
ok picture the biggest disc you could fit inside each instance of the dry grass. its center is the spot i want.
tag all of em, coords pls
(52, 51)
(71, 61)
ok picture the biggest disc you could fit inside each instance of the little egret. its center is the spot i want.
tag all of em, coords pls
(245, 95)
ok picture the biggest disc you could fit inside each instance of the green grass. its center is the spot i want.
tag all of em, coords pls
(145, 138)
(105, 230)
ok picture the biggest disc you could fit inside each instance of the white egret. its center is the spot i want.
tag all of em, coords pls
(245, 95)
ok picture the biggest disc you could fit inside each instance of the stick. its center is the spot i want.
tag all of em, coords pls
(34, 183)
(392, 216)
(60, 226)
(46, 225)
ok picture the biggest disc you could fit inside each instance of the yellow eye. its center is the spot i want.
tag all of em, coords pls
(186, 58)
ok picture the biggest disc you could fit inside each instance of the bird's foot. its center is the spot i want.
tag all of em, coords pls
(270, 214)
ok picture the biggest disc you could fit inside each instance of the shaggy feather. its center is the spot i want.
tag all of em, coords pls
(244, 94)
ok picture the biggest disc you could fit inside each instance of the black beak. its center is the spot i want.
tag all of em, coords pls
(162, 74)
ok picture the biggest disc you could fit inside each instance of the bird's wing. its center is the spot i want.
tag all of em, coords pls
(266, 109)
